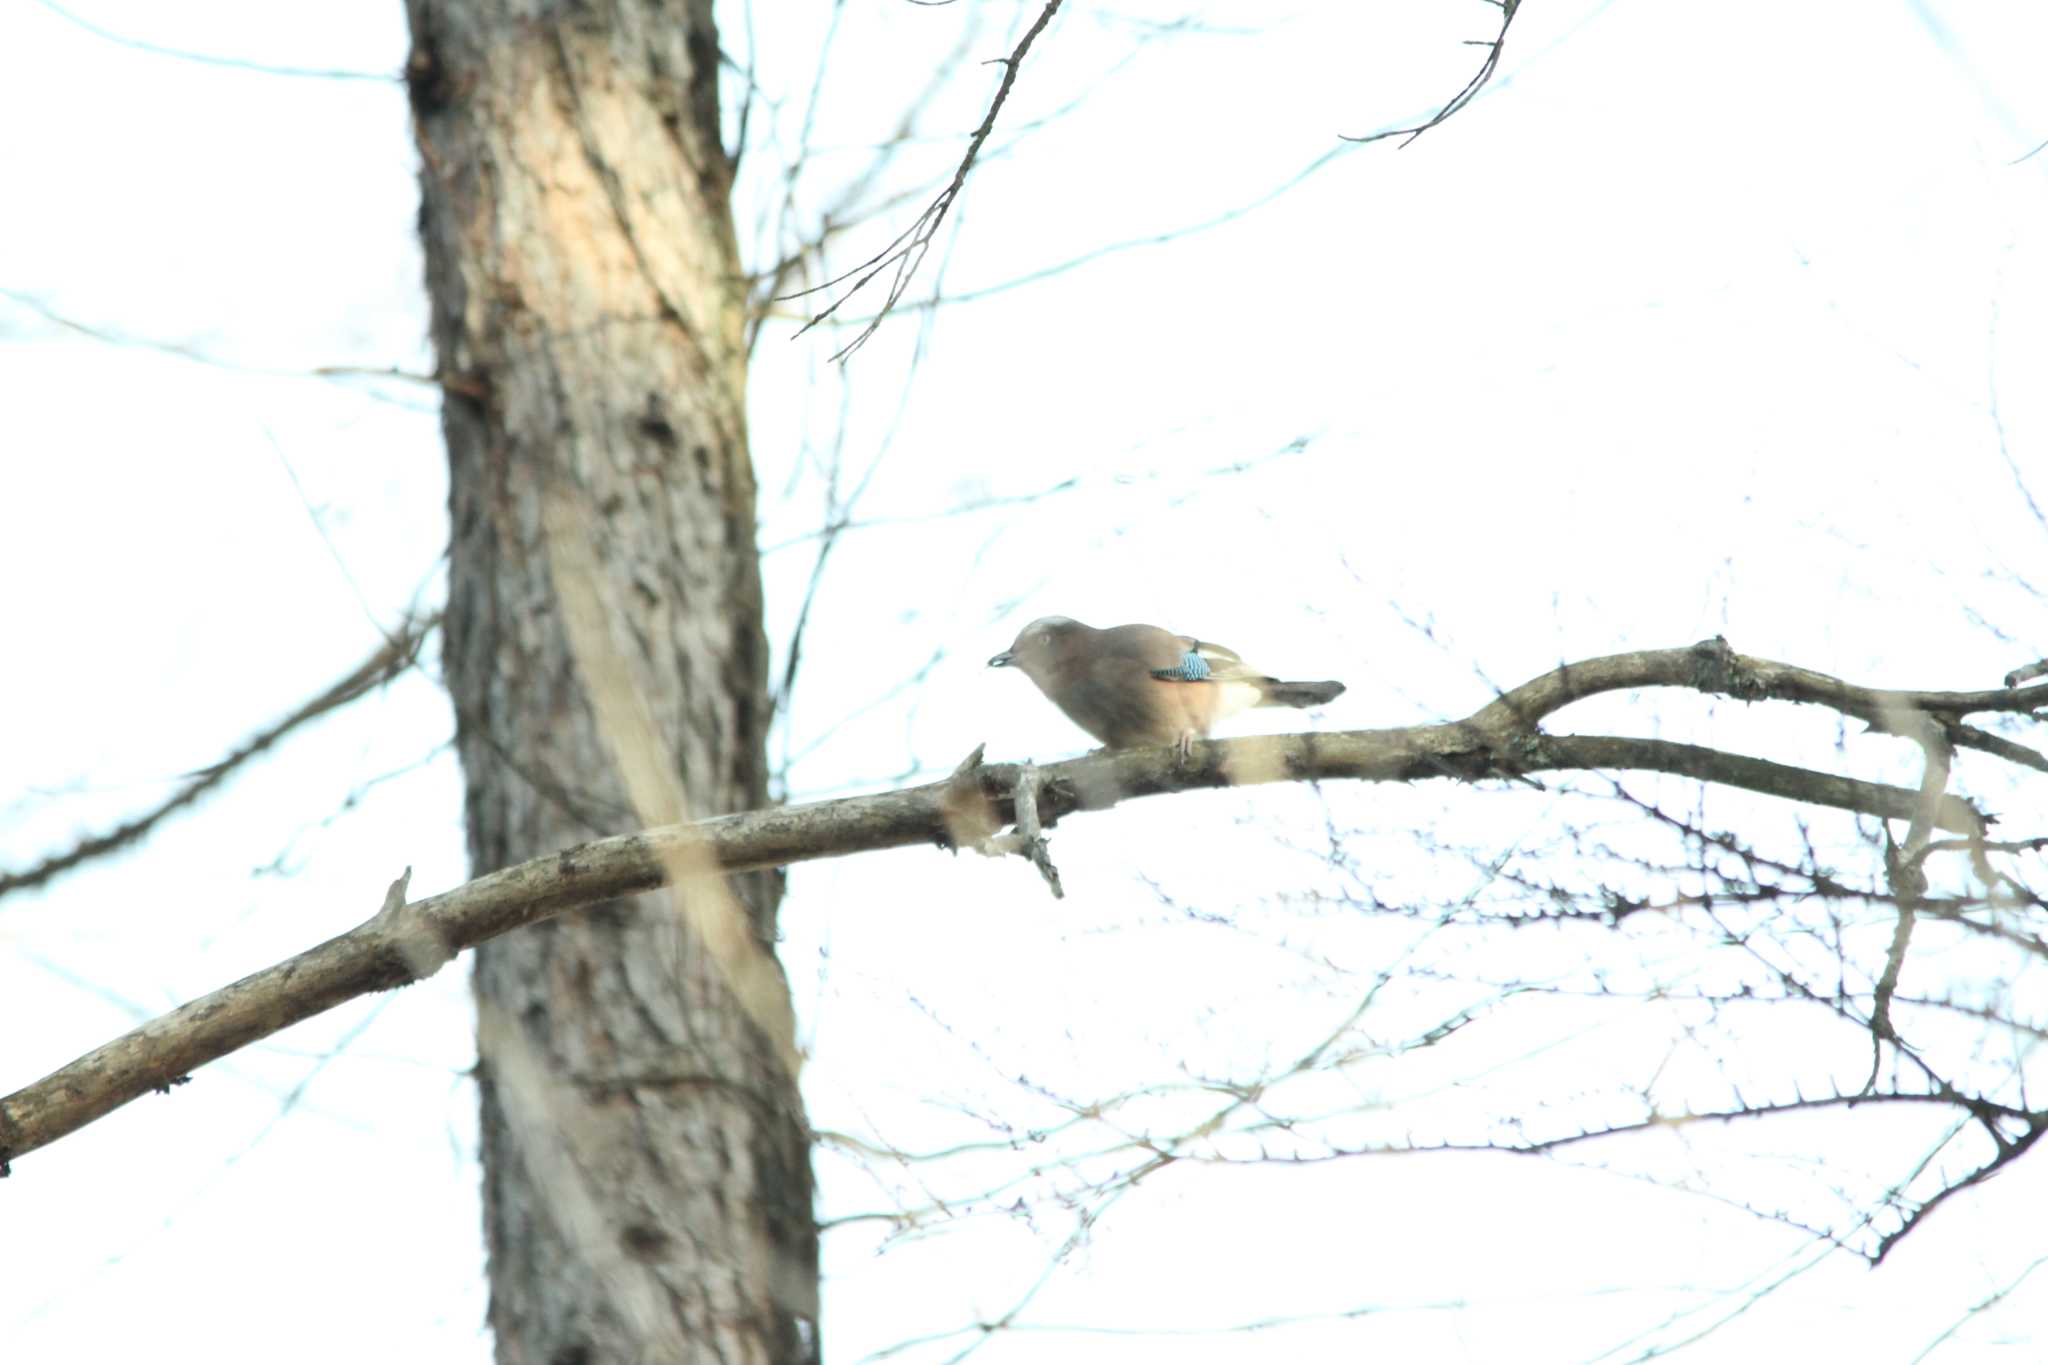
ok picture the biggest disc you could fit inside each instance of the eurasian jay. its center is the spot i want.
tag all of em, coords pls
(1131, 686)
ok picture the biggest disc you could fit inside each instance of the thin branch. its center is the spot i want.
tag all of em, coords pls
(1989, 1301)
(320, 529)
(2008, 1152)
(1603, 752)
(393, 657)
(468, 386)
(1738, 1114)
(1508, 10)
(908, 250)
(1093, 254)
(1078, 483)
(206, 59)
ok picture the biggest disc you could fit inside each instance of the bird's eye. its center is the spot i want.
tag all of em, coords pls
(1045, 637)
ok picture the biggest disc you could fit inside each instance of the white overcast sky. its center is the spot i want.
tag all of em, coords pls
(1703, 319)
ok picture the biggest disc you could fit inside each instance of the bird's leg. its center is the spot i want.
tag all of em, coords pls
(1184, 748)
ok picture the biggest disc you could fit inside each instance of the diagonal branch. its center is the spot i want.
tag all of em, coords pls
(903, 255)
(208, 59)
(392, 658)
(403, 943)
(1487, 67)
(1760, 775)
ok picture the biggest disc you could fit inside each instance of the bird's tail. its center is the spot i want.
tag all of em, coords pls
(1273, 692)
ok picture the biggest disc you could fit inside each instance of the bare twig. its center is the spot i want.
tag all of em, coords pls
(902, 256)
(206, 59)
(1508, 10)
(1989, 1301)
(1026, 839)
(397, 654)
(465, 385)
(1905, 869)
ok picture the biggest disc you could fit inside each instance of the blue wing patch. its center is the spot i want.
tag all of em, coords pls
(1191, 668)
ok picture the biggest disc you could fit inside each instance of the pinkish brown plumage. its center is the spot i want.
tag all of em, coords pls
(1133, 686)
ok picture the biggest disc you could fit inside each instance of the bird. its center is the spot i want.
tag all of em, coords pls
(1133, 686)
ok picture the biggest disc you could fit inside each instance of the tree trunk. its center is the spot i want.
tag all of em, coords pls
(646, 1170)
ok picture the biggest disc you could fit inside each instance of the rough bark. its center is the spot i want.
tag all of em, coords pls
(646, 1170)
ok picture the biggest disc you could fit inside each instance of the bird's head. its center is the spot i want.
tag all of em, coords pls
(1039, 645)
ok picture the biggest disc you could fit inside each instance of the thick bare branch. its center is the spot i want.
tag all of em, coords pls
(1761, 775)
(1498, 741)
(1711, 666)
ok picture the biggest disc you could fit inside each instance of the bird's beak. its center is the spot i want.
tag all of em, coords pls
(1002, 660)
